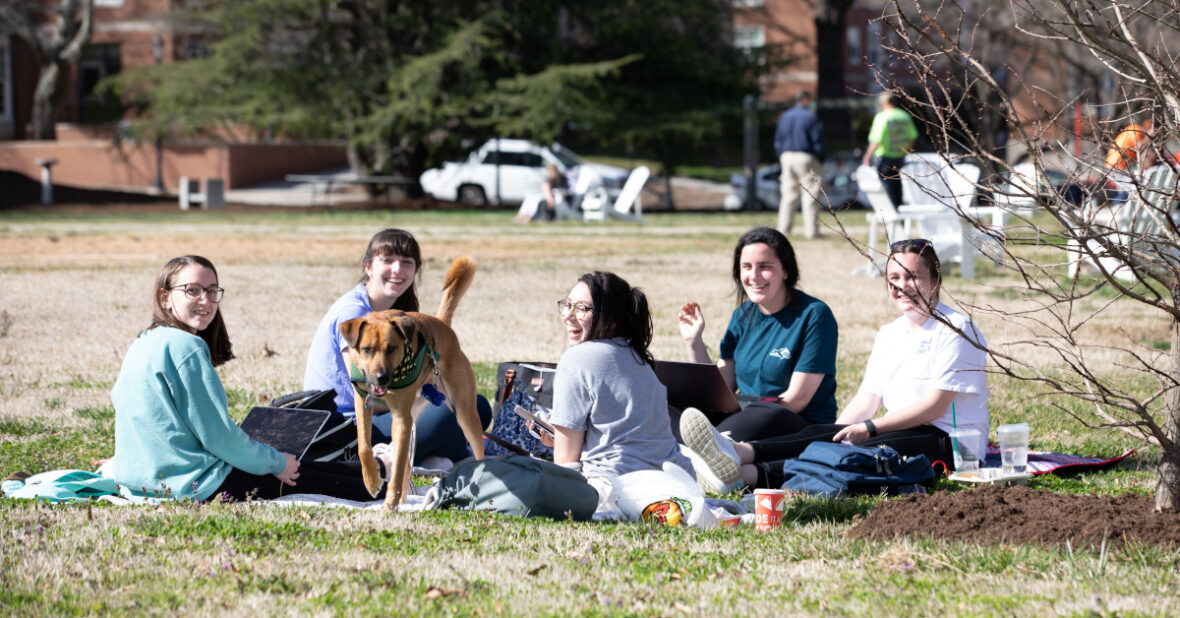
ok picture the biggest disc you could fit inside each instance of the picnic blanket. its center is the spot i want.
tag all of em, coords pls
(1044, 462)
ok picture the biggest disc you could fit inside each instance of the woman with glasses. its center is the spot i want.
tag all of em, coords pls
(610, 411)
(926, 368)
(173, 434)
(779, 347)
(389, 270)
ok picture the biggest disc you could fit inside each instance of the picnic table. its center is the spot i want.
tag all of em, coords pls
(322, 183)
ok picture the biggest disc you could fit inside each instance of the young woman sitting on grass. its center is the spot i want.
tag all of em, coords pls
(780, 343)
(610, 411)
(390, 268)
(173, 434)
(920, 366)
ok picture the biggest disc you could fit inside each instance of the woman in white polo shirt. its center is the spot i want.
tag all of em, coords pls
(926, 368)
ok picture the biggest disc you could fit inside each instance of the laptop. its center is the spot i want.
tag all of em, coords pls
(696, 385)
(289, 430)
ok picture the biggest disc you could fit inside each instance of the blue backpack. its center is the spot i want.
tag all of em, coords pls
(832, 468)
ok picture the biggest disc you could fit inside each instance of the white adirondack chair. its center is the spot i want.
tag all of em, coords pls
(1017, 193)
(929, 182)
(562, 209)
(942, 227)
(1136, 226)
(627, 206)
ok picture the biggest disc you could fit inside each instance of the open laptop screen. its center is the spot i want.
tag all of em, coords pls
(696, 385)
(288, 430)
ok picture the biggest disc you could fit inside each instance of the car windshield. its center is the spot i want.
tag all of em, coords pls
(566, 156)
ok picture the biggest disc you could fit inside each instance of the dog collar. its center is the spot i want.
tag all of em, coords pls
(404, 375)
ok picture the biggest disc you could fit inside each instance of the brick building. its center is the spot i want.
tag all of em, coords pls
(128, 34)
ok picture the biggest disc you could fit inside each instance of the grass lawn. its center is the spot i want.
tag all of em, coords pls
(76, 292)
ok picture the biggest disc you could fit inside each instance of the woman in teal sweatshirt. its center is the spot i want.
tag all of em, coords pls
(173, 434)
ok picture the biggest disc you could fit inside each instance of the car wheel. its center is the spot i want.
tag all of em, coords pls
(472, 195)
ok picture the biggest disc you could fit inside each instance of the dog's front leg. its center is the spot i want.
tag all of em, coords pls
(399, 477)
(364, 447)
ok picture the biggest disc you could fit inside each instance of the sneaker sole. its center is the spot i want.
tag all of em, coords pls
(697, 434)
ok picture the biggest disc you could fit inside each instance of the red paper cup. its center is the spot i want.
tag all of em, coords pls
(768, 508)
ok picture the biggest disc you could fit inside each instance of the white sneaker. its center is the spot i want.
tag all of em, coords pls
(713, 456)
(384, 452)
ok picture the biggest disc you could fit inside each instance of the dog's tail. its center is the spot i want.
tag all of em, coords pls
(458, 279)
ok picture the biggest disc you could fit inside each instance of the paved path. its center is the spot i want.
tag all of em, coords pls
(688, 193)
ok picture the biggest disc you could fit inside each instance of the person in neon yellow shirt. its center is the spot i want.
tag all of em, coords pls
(890, 137)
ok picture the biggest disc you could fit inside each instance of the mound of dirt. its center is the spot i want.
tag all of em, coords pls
(1021, 515)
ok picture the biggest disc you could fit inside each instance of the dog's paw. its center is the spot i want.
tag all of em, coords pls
(371, 478)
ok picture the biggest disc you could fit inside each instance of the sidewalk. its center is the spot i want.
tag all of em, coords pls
(306, 194)
(687, 193)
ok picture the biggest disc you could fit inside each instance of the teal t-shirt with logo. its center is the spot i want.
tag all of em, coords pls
(767, 349)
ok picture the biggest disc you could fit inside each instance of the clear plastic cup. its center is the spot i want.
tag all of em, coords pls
(966, 443)
(1013, 448)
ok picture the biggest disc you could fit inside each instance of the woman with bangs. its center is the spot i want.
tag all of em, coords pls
(390, 268)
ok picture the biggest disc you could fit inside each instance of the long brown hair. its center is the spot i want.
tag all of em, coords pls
(214, 335)
(619, 311)
(392, 241)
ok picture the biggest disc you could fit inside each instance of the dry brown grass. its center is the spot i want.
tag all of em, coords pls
(77, 293)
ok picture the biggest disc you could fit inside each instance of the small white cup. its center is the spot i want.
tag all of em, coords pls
(1013, 448)
(966, 445)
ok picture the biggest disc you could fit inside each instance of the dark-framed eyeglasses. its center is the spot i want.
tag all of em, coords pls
(194, 291)
(917, 244)
(564, 307)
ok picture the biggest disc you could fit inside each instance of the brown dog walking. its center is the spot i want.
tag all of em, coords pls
(397, 353)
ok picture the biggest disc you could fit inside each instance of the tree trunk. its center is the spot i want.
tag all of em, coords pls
(830, 18)
(666, 201)
(1167, 489)
(43, 104)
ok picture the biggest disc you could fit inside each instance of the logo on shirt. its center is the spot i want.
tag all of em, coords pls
(924, 346)
(783, 353)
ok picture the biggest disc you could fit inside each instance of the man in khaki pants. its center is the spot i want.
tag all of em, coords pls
(799, 142)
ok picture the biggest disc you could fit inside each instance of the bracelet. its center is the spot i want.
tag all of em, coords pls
(871, 427)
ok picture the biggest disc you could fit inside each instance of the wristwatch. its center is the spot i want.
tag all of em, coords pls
(871, 427)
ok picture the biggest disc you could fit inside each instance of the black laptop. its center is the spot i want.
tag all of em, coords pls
(289, 430)
(701, 386)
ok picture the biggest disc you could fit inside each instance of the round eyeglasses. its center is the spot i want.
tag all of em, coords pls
(194, 291)
(564, 307)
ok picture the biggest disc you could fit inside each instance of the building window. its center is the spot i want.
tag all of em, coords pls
(749, 37)
(194, 49)
(855, 50)
(97, 62)
(873, 47)
(748, 4)
(108, 3)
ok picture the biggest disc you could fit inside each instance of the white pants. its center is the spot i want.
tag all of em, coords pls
(800, 179)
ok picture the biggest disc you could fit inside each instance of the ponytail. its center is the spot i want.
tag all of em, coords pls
(619, 311)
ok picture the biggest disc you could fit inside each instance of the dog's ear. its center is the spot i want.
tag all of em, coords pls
(352, 329)
(406, 328)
